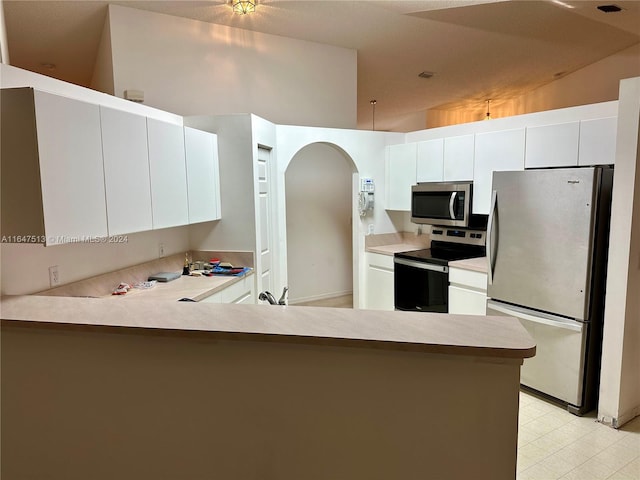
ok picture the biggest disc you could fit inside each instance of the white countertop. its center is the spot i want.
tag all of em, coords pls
(498, 337)
(475, 264)
(394, 248)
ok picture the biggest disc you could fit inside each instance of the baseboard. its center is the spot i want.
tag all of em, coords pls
(323, 296)
(617, 422)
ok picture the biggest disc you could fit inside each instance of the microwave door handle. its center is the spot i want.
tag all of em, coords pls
(490, 229)
(452, 202)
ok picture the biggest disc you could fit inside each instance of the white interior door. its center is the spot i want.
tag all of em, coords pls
(264, 157)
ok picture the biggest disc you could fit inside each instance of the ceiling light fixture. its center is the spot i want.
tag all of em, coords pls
(488, 116)
(243, 6)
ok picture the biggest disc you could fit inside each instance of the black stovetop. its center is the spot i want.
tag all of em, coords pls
(441, 253)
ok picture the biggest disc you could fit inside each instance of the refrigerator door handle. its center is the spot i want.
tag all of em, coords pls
(490, 247)
(544, 318)
(452, 202)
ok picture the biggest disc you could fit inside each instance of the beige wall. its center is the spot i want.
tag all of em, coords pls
(595, 83)
(197, 68)
(620, 381)
(318, 206)
(102, 403)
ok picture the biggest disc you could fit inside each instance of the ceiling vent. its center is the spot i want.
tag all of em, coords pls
(609, 8)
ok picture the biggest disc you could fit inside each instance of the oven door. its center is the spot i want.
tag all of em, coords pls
(420, 286)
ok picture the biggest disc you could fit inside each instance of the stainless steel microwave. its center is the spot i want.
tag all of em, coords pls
(442, 203)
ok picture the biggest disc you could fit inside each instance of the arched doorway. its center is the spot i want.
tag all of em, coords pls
(319, 224)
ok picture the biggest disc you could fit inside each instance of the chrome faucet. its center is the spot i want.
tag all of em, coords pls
(267, 296)
(284, 297)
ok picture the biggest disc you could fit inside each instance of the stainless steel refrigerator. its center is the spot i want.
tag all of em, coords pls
(547, 243)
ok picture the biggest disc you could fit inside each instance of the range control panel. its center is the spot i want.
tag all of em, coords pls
(459, 235)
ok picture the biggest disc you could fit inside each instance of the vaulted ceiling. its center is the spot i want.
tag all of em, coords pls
(476, 50)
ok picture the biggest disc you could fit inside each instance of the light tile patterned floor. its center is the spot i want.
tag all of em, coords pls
(554, 444)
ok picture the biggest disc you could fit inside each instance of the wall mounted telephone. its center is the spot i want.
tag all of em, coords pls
(366, 196)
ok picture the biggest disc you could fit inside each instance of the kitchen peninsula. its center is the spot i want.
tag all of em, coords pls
(97, 388)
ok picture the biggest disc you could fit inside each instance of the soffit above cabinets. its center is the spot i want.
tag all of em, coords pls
(475, 48)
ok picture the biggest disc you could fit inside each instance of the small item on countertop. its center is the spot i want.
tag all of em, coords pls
(186, 299)
(225, 265)
(145, 285)
(214, 262)
(186, 269)
(121, 289)
(230, 271)
(164, 276)
(195, 274)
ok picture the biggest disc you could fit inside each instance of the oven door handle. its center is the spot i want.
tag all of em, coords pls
(421, 265)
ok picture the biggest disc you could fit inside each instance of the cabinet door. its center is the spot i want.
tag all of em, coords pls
(379, 282)
(429, 160)
(552, 145)
(72, 176)
(400, 176)
(168, 174)
(598, 141)
(458, 158)
(466, 302)
(494, 151)
(239, 292)
(201, 149)
(467, 292)
(126, 171)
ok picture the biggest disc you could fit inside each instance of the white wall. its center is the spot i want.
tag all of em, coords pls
(367, 151)
(11, 77)
(102, 78)
(620, 378)
(195, 68)
(319, 238)
(595, 83)
(4, 48)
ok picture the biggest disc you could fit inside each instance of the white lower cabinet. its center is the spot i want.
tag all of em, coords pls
(467, 292)
(379, 282)
(241, 291)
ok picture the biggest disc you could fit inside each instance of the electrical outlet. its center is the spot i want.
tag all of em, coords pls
(54, 277)
(161, 250)
(370, 229)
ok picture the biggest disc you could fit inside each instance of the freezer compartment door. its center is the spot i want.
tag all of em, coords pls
(541, 239)
(557, 369)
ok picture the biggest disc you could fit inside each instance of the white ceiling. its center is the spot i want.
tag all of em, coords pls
(477, 49)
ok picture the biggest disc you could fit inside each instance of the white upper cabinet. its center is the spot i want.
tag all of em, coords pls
(168, 174)
(458, 158)
(552, 145)
(203, 182)
(400, 173)
(71, 174)
(429, 160)
(598, 141)
(126, 171)
(495, 151)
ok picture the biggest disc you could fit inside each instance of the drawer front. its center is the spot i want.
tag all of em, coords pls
(380, 261)
(468, 279)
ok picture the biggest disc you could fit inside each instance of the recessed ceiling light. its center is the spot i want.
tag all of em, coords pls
(426, 74)
(609, 8)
